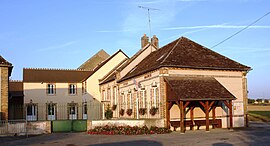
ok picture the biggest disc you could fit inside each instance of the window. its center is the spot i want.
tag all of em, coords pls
(122, 100)
(84, 87)
(142, 98)
(103, 95)
(108, 94)
(72, 110)
(51, 111)
(154, 96)
(31, 114)
(114, 95)
(129, 100)
(72, 89)
(51, 89)
(85, 110)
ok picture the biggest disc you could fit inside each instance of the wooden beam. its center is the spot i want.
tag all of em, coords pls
(168, 115)
(214, 116)
(182, 126)
(170, 105)
(207, 115)
(202, 104)
(186, 104)
(211, 104)
(231, 119)
(192, 116)
(226, 103)
(178, 104)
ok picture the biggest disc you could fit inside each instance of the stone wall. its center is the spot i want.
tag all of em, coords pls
(4, 93)
(140, 123)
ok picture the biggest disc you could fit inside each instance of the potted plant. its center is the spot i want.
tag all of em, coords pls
(108, 113)
(142, 111)
(153, 111)
(121, 112)
(114, 107)
(129, 112)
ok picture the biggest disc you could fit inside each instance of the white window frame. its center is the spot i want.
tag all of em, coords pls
(72, 89)
(51, 89)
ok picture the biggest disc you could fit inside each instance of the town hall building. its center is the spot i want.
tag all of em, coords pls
(183, 84)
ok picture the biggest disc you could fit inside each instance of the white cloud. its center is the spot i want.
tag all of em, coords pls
(219, 26)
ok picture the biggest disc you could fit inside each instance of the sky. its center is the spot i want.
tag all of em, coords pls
(65, 33)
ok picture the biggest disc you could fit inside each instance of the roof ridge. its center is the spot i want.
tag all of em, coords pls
(171, 50)
(55, 69)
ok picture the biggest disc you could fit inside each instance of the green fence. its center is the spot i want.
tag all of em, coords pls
(69, 125)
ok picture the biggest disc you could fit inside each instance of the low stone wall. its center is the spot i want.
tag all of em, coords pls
(19, 128)
(39, 127)
(130, 122)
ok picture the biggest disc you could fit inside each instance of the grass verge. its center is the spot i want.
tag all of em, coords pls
(259, 115)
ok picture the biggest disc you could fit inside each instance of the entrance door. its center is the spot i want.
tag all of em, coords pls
(31, 114)
(73, 111)
(51, 108)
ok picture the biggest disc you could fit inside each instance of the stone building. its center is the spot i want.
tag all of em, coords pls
(5, 72)
(181, 81)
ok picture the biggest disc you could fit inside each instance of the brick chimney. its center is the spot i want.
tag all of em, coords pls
(154, 41)
(144, 40)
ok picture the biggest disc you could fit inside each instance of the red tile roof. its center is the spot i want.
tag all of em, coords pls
(55, 75)
(184, 53)
(197, 88)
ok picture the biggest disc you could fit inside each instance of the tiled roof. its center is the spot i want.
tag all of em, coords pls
(197, 88)
(4, 62)
(16, 88)
(91, 63)
(55, 75)
(184, 53)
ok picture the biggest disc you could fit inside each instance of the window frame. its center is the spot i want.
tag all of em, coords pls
(74, 89)
(50, 89)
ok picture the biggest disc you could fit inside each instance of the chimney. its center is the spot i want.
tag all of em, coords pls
(144, 40)
(154, 41)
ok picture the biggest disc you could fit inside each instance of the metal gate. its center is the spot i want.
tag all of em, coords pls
(69, 126)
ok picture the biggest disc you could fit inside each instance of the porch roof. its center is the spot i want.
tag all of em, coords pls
(196, 88)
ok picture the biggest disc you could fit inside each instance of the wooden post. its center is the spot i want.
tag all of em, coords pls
(192, 116)
(207, 115)
(214, 116)
(182, 117)
(231, 119)
(168, 107)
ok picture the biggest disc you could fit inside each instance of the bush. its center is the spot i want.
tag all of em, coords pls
(108, 113)
(128, 130)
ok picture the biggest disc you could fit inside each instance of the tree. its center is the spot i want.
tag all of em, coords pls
(251, 101)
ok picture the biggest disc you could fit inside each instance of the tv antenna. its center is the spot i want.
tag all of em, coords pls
(149, 19)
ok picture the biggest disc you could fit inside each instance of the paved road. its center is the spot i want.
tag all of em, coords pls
(257, 134)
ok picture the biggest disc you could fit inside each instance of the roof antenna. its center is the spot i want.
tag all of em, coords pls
(149, 20)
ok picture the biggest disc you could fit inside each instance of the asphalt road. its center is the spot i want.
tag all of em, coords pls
(257, 134)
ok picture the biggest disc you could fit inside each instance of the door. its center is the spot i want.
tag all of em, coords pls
(31, 114)
(51, 112)
(73, 111)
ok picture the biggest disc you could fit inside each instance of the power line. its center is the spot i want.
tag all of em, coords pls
(241, 30)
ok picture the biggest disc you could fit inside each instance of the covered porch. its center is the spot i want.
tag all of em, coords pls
(205, 93)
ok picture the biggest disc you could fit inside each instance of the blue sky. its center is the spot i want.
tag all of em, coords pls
(65, 33)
